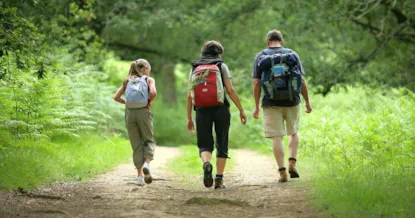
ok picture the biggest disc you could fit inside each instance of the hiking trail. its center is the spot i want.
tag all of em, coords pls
(252, 191)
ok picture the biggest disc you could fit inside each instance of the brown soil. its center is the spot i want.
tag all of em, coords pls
(252, 191)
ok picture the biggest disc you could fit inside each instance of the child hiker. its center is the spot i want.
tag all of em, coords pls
(140, 91)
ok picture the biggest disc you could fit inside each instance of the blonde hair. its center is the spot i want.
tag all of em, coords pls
(137, 67)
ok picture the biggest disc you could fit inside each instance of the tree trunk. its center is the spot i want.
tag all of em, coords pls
(163, 71)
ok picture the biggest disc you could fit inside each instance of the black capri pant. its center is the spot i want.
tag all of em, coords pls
(205, 118)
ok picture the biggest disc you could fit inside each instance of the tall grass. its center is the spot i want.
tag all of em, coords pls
(362, 144)
(29, 165)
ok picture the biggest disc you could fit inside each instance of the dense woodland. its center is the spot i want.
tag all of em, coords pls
(63, 45)
(62, 60)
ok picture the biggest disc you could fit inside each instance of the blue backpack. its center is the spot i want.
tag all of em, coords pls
(136, 93)
(281, 78)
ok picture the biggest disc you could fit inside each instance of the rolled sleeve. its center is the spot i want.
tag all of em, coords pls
(256, 72)
(300, 65)
(225, 71)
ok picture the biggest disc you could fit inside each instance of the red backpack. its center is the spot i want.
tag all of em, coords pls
(206, 86)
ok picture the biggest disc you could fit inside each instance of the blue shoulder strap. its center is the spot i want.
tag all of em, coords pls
(268, 51)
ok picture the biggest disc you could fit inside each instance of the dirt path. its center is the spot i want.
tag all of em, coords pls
(252, 192)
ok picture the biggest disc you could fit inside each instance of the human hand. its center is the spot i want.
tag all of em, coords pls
(242, 116)
(308, 107)
(256, 113)
(191, 126)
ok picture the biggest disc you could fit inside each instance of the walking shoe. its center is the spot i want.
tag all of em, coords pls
(207, 175)
(283, 175)
(219, 183)
(147, 173)
(139, 181)
(291, 168)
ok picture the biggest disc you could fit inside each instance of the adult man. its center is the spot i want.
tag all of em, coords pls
(278, 111)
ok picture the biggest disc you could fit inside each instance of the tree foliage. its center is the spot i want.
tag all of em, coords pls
(340, 42)
(49, 79)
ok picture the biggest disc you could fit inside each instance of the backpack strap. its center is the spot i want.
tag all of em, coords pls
(269, 52)
(145, 77)
(290, 91)
(219, 64)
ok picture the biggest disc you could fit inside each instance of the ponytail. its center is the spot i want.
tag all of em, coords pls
(137, 67)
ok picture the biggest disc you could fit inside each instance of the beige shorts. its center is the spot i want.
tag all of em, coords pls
(275, 118)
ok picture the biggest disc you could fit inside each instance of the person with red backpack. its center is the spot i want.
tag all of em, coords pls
(209, 82)
(279, 72)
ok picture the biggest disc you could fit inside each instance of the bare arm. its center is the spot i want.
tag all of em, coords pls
(304, 93)
(152, 89)
(232, 94)
(119, 93)
(257, 96)
(257, 91)
(234, 97)
(189, 105)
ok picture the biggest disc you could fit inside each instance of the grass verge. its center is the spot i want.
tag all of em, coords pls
(29, 166)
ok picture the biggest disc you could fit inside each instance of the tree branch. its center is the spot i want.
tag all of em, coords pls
(365, 25)
(400, 17)
(383, 44)
(405, 37)
(150, 51)
(365, 60)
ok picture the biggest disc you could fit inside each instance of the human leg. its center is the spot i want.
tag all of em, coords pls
(204, 123)
(222, 120)
(274, 128)
(292, 116)
(135, 140)
(149, 144)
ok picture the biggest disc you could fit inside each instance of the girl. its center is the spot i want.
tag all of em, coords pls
(218, 115)
(140, 91)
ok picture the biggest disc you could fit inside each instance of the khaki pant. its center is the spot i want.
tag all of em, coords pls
(274, 118)
(139, 124)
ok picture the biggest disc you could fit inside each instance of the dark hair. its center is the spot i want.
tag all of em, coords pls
(212, 48)
(274, 35)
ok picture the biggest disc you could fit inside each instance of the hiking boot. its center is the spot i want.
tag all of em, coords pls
(139, 181)
(283, 175)
(219, 183)
(291, 168)
(207, 175)
(147, 173)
